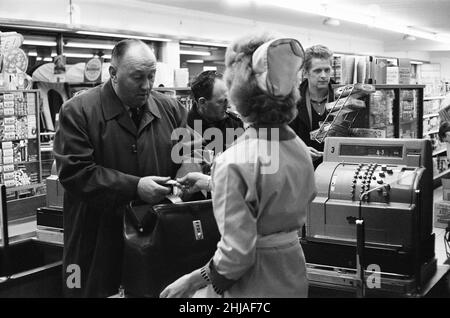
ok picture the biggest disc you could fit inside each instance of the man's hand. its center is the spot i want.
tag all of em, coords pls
(315, 154)
(195, 181)
(150, 189)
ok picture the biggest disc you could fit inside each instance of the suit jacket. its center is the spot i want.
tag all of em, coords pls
(101, 155)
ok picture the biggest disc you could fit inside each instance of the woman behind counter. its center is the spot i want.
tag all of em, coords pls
(258, 209)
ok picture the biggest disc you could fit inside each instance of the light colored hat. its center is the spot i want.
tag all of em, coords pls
(276, 64)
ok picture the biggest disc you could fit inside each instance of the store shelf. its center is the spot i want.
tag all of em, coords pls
(25, 187)
(439, 151)
(430, 115)
(434, 131)
(408, 122)
(437, 180)
(433, 97)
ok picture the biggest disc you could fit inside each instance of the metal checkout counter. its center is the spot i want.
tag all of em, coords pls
(369, 229)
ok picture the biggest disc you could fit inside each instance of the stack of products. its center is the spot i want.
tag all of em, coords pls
(380, 116)
(442, 208)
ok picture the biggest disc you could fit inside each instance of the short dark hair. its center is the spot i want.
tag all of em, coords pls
(121, 48)
(443, 129)
(203, 84)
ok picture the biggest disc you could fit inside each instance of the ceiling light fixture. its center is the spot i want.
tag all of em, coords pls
(409, 37)
(39, 43)
(200, 53)
(90, 45)
(203, 43)
(331, 22)
(194, 61)
(79, 55)
(124, 36)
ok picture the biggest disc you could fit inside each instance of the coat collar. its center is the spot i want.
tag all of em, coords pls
(113, 106)
(301, 106)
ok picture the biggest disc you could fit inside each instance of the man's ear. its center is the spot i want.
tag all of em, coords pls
(113, 73)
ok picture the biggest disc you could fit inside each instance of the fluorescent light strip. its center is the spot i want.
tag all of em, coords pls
(32, 54)
(200, 53)
(80, 55)
(125, 36)
(204, 43)
(48, 59)
(195, 61)
(90, 45)
(39, 43)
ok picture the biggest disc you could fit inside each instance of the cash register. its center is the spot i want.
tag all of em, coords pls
(388, 184)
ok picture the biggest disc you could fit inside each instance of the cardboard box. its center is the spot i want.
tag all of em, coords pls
(446, 189)
(55, 192)
(441, 214)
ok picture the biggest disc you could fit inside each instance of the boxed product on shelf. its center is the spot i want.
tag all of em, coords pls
(31, 127)
(380, 116)
(367, 133)
(441, 214)
(8, 168)
(431, 106)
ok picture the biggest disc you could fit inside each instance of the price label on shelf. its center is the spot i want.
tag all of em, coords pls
(8, 104)
(8, 161)
(9, 128)
(10, 183)
(8, 168)
(8, 153)
(9, 121)
(8, 175)
(8, 112)
(8, 97)
(7, 145)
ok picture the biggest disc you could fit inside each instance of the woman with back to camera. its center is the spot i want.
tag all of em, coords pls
(259, 200)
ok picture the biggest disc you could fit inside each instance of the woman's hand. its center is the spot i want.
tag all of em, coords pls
(315, 154)
(194, 182)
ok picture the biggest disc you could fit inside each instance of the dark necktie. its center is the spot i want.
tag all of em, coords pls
(135, 116)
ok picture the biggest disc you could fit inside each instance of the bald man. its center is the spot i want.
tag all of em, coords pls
(112, 146)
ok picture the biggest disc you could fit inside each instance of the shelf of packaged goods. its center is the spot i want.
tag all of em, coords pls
(407, 122)
(430, 115)
(437, 180)
(24, 187)
(19, 162)
(439, 151)
(433, 97)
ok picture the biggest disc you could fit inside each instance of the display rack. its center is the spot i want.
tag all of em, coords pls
(393, 111)
(21, 171)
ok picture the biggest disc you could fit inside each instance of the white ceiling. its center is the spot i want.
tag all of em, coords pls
(425, 15)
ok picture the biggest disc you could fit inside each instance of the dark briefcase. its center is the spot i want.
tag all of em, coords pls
(165, 241)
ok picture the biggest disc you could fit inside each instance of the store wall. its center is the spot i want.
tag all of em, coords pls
(442, 58)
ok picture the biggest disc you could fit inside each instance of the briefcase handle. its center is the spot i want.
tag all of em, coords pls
(137, 222)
